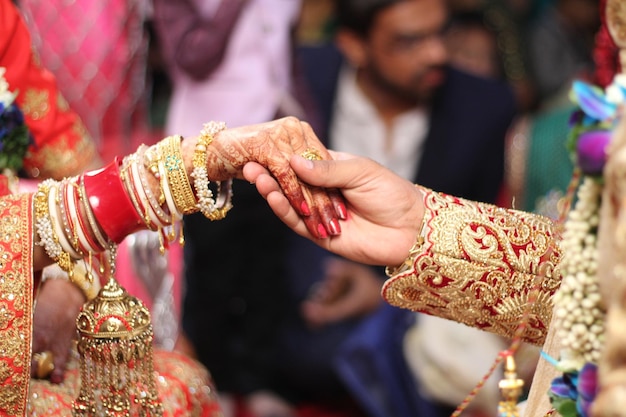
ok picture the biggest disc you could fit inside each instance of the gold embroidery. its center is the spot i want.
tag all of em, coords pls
(6, 316)
(16, 297)
(63, 158)
(477, 265)
(62, 103)
(36, 103)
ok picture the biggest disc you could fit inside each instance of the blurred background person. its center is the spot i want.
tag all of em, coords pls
(560, 46)
(387, 90)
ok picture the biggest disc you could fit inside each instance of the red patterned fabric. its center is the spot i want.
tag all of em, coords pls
(63, 146)
(184, 386)
(478, 264)
(16, 302)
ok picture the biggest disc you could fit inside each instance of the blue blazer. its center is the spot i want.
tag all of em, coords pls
(463, 155)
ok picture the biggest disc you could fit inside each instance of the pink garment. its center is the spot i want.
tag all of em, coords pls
(97, 50)
(253, 79)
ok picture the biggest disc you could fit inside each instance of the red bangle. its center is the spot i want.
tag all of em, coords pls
(110, 204)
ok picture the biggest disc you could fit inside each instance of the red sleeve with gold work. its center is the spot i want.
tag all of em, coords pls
(16, 302)
(478, 264)
(63, 146)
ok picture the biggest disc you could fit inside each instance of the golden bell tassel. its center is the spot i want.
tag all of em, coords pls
(510, 389)
(116, 362)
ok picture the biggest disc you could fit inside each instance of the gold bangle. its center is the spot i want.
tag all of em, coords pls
(177, 180)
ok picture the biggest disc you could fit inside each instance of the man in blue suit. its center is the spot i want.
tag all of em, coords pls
(387, 92)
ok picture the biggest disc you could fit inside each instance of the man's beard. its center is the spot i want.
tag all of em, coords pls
(413, 92)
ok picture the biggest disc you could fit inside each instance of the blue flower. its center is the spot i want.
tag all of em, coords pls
(593, 102)
(572, 393)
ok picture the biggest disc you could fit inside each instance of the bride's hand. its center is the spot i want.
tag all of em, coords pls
(272, 145)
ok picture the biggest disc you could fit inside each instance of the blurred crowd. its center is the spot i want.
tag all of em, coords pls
(284, 329)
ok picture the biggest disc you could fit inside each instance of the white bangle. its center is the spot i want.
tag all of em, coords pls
(93, 225)
(155, 211)
(74, 215)
(53, 202)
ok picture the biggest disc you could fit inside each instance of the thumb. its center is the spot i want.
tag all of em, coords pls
(329, 174)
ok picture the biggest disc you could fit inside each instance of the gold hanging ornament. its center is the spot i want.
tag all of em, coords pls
(510, 389)
(116, 362)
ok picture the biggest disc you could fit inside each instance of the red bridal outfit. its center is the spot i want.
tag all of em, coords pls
(61, 147)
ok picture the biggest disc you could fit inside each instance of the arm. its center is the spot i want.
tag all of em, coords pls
(467, 261)
(479, 264)
(116, 201)
(191, 42)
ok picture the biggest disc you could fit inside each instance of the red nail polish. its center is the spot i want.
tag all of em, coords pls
(341, 211)
(321, 231)
(304, 207)
(335, 228)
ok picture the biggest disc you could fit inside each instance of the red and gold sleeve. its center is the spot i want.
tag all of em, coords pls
(62, 145)
(480, 265)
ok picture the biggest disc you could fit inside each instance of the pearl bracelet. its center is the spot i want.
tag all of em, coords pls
(206, 203)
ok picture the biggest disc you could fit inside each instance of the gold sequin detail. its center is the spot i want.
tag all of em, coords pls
(62, 158)
(477, 265)
(36, 103)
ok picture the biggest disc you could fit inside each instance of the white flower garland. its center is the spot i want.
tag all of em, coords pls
(579, 310)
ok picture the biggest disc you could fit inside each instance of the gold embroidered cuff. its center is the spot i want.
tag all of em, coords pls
(478, 264)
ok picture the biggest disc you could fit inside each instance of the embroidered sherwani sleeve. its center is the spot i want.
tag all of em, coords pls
(479, 264)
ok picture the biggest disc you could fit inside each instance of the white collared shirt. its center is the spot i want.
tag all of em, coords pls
(357, 129)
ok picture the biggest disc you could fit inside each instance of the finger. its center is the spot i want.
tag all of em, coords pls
(298, 193)
(336, 199)
(268, 187)
(338, 173)
(324, 201)
(61, 355)
(252, 170)
(283, 209)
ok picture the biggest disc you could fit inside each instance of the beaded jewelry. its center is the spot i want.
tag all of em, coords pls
(206, 203)
(43, 223)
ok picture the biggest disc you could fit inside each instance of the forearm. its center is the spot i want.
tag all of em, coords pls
(150, 189)
(479, 264)
(191, 42)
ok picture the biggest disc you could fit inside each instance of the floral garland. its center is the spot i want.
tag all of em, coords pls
(579, 312)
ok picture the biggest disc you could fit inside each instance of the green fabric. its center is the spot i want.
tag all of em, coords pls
(548, 165)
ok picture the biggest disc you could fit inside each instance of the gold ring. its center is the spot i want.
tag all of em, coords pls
(45, 364)
(311, 154)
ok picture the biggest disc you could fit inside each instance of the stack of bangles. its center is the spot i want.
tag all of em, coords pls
(79, 217)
